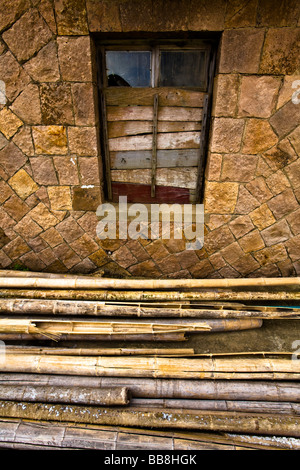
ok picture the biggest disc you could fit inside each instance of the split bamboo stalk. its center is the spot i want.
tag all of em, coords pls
(265, 424)
(63, 394)
(158, 367)
(285, 391)
(153, 337)
(218, 405)
(61, 307)
(79, 282)
(115, 295)
(77, 436)
(97, 351)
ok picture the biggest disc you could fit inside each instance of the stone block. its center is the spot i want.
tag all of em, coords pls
(137, 250)
(15, 207)
(220, 198)
(279, 13)
(262, 217)
(13, 75)
(68, 257)
(240, 50)
(60, 198)
(23, 184)
(206, 15)
(252, 242)
(9, 123)
(69, 230)
(259, 189)
(293, 173)
(293, 248)
(47, 256)
(187, 258)
(294, 221)
(5, 191)
(258, 95)
(281, 52)
(100, 257)
(41, 215)
(286, 268)
(52, 237)
(237, 167)
(124, 257)
(218, 239)
(277, 182)
(225, 96)
(137, 16)
(23, 140)
(216, 221)
(28, 35)
(89, 222)
(27, 105)
(85, 266)
(145, 269)
(202, 269)
(50, 140)
(277, 158)
(163, 21)
(286, 119)
(27, 228)
(226, 135)
(241, 225)
(83, 141)
(271, 254)
(294, 139)
(11, 10)
(43, 170)
(84, 246)
(5, 261)
(46, 9)
(103, 16)
(89, 170)
(169, 265)
(37, 244)
(16, 248)
(277, 233)
(84, 96)
(157, 250)
(44, 66)
(33, 262)
(71, 17)
(86, 199)
(11, 158)
(74, 55)
(286, 91)
(258, 137)
(66, 168)
(283, 204)
(240, 14)
(213, 167)
(56, 104)
(245, 201)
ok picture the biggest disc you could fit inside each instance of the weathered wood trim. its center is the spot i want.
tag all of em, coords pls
(154, 145)
(165, 159)
(171, 140)
(176, 177)
(145, 113)
(144, 96)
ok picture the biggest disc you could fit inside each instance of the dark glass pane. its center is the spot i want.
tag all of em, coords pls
(128, 68)
(182, 68)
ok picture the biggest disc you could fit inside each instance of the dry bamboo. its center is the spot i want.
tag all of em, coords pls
(98, 351)
(218, 405)
(63, 394)
(61, 307)
(158, 367)
(115, 295)
(171, 337)
(265, 424)
(170, 388)
(77, 436)
(80, 282)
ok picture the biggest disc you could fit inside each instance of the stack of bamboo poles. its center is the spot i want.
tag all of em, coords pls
(133, 397)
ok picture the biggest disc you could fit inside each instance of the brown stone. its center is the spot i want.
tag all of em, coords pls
(220, 198)
(43, 216)
(281, 52)
(240, 14)
(286, 119)
(145, 269)
(218, 239)
(240, 50)
(52, 237)
(225, 96)
(14, 76)
(269, 270)
(279, 13)
(9, 123)
(245, 202)
(5, 261)
(5, 191)
(67, 171)
(60, 198)
(43, 170)
(27, 105)
(124, 257)
(241, 225)
(213, 167)
(83, 141)
(286, 91)
(23, 140)
(258, 96)
(238, 167)
(11, 10)
(263, 168)
(69, 230)
(206, 15)
(173, 245)
(89, 170)
(103, 16)
(56, 104)
(47, 256)
(137, 250)
(294, 139)
(44, 66)
(157, 250)
(29, 34)
(89, 222)
(15, 207)
(56, 267)
(169, 265)
(3, 238)
(293, 248)
(84, 246)
(293, 173)
(71, 17)
(202, 269)
(294, 221)
(84, 97)
(163, 21)
(16, 248)
(85, 266)
(283, 204)
(74, 55)
(27, 228)
(46, 9)
(23, 184)
(235, 256)
(259, 189)
(37, 244)
(99, 258)
(86, 199)
(286, 268)
(11, 158)
(226, 135)
(277, 158)
(136, 16)
(6, 222)
(262, 217)
(271, 254)
(259, 137)
(277, 182)
(187, 258)
(215, 221)
(66, 255)
(217, 261)
(50, 140)
(277, 233)
(252, 242)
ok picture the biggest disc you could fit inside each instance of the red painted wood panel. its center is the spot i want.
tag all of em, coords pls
(142, 193)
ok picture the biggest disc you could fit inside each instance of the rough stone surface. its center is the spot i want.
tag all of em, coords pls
(44, 66)
(240, 50)
(258, 137)
(23, 184)
(281, 51)
(50, 140)
(227, 135)
(9, 123)
(221, 197)
(258, 96)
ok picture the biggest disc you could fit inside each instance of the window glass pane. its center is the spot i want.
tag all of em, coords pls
(182, 68)
(128, 68)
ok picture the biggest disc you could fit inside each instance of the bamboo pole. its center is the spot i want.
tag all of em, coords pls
(265, 424)
(79, 282)
(153, 337)
(114, 295)
(98, 351)
(285, 391)
(64, 394)
(72, 435)
(158, 367)
(61, 307)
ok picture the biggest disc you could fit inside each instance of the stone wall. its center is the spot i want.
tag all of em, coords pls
(50, 163)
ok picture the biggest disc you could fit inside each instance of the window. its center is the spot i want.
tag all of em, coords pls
(154, 106)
